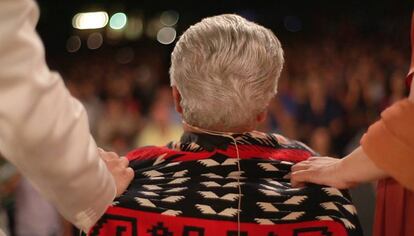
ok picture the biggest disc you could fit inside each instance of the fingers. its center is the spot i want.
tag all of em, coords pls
(313, 158)
(123, 161)
(118, 167)
(129, 174)
(318, 170)
(304, 165)
(302, 172)
(107, 156)
(298, 178)
(299, 173)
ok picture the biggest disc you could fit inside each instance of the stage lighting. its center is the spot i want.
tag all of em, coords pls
(169, 18)
(90, 20)
(94, 41)
(118, 21)
(166, 35)
(73, 43)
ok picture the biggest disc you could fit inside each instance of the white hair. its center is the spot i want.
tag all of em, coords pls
(226, 69)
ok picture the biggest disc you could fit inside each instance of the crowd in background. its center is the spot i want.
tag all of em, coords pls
(327, 96)
(329, 92)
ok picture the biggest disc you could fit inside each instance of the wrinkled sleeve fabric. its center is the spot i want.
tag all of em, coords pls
(389, 143)
(43, 130)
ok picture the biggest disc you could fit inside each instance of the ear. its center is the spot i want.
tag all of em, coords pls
(177, 99)
(261, 116)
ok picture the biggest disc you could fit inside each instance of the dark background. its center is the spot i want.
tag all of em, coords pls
(377, 20)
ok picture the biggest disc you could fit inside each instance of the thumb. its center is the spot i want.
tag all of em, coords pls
(100, 150)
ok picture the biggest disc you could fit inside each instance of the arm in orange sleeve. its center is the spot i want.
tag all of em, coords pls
(389, 143)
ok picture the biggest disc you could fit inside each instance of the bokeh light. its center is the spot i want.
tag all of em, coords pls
(166, 35)
(94, 41)
(169, 18)
(118, 21)
(73, 44)
(90, 20)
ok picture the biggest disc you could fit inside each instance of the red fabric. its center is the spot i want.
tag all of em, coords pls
(246, 152)
(134, 222)
(394, 214)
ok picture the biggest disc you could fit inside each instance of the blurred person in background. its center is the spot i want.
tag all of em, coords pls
(397, 89)
(160, 127)
(44, 131)
(387, 150)
(320, 140)
(33, 215)
(321, 110)
(120, 120)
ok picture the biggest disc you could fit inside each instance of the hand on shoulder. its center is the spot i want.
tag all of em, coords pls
(118, 166)
(320, 170)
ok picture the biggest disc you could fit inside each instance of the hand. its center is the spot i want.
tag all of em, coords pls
(349, 171)
(118, 166)
(319, 170)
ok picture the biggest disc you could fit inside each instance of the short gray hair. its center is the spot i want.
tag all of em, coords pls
(226, 69)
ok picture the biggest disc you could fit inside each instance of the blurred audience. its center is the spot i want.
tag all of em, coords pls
(34, 216)
(161, 127)
(327, 95)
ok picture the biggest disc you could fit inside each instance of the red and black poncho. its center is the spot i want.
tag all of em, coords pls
(191, 188)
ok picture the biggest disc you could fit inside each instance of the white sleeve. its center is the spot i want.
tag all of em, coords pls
(43, 130)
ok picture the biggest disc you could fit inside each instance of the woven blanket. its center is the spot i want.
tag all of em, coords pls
(198, 186)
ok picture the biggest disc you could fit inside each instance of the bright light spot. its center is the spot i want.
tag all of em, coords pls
(118, 21)
(166, 35)
(169, 18)
(90, 20)
(73, 43)
(95, 40)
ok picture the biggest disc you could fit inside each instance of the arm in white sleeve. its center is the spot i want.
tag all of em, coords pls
(43, 130)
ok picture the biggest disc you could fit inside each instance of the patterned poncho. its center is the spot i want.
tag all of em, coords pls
(197, 187)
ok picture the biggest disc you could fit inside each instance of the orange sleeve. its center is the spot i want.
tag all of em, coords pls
(389, 143)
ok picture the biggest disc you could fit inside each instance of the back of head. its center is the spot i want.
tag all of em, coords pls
(226, 69)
